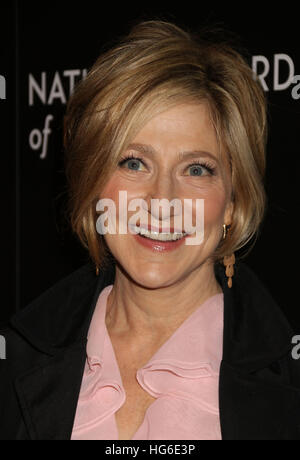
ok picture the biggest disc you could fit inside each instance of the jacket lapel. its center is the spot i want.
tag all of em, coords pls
(49, 388)
(256, 399)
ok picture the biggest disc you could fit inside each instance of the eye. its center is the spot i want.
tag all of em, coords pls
(133, 163)
(198, 170)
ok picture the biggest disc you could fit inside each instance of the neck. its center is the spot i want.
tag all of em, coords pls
(138, 312)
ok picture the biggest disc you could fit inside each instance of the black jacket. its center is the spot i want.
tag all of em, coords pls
(40, 379)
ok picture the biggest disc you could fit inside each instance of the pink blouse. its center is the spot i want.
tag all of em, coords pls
(183, 375)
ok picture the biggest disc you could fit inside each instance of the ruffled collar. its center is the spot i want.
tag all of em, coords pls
(183, 367)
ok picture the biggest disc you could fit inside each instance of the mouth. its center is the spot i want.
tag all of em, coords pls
(157, 240)
(159, 235)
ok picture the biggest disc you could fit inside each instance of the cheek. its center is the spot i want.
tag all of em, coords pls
(214, 208)
(112, 188)
(120, 192)
(110, 191)
(118, 184)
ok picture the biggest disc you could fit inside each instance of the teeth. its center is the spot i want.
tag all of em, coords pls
(159, 236)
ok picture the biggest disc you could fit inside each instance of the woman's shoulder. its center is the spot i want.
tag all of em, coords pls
(82, 277)
(257, 331)
(250, 293)
(56, 313)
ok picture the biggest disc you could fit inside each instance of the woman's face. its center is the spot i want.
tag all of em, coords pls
(155, 170)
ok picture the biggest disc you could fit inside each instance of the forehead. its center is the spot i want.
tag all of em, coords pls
(182, 127)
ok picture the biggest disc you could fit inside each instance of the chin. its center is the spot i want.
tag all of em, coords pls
(151, 278)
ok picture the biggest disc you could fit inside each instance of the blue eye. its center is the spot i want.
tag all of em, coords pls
(133, 163)
(196, 170)
(201, 169)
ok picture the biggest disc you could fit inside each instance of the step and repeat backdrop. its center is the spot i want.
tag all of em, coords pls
(46, 49)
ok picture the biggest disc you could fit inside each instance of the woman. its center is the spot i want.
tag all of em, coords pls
(162, 335)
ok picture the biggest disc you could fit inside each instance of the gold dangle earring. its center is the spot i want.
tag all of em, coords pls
(224, 231)
(228, 261)
(97, 270)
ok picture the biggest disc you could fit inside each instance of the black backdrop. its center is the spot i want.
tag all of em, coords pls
(46, 48)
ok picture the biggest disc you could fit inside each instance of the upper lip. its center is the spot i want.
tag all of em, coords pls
(151, 228)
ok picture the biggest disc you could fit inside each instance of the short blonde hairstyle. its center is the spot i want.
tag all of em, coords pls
(157, 66)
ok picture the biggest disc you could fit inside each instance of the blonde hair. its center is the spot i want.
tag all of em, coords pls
(155, 67)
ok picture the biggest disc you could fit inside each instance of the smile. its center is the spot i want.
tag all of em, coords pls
(157, 235)
(158, 241)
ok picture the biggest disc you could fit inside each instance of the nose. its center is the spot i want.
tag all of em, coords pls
(159, 196)
(163, 187)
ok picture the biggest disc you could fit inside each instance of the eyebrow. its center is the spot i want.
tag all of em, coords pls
(149, 150)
